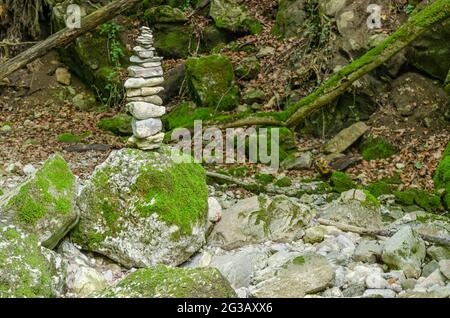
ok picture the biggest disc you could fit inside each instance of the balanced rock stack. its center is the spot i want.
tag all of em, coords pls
(143, 85)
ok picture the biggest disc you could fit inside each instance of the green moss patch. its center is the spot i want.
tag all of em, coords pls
(72, 138)
(376, 148)
(184, 116)
(341, 182)
(442, 176)
(264, 178)
(118, 125)
(428, 201)
(211, 82)
(283, 182)
(378, 188)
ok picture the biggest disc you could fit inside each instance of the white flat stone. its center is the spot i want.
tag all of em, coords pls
(145, 54)
(145, 72)
(143, 82)
(149, 143)
(143, 110)
(137, 59)
(151, 64)
(146, 128)
(144, 91)
(155, 99)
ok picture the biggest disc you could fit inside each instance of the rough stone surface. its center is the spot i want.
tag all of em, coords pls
(258, 219)
(143, 110)
(345, 138)
(405, 251)
(166, 282)
(146, 128)
(142, 208)
(306, 274)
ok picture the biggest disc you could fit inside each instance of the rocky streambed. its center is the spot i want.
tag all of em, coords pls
(145, 226)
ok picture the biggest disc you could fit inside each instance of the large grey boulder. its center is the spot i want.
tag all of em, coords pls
(144, 208)
(166, 282)
(355, 207)
(405, 251)
(45, 204)
(260, 219)
(28, 270)
(306, 274)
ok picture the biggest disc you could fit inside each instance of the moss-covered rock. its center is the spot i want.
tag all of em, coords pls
(248, 68)
(27, 270)
(341, 182)
(144, 208)
(283, 182)
(165, 14)
(211, 82)
(264, 178)
(442, 176)
(229, 15)
(118, 125)
(290, 17)
(447, 83)
(428, 201)
(45, 204)
(184, 115)
(166, 282)
(378, 188)
(376, 148)
(91, 56)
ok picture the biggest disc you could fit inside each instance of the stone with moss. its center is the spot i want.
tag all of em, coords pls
(290, 18)
(447, 83)
(184, 115)
(379, 188)
(167, 282)
(264, 178)
(45, 204)
(119, 124)
(376, 148)
(355, 207)
(442, 176)
(341, 182)
(248, 68)
(165, 14)
(211, 82)
(229, 15)
(28, 270)
(283, 182)
(428, 201)
(144, 208)
(259, 219)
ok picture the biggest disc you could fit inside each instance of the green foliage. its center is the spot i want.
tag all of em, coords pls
(111, 30)
(442, 176)
(341, 182)
(376, 148)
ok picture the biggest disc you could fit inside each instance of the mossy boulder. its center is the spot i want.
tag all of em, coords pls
(430, 52)
(27, 270)
(167, 282)
(428, 201)
(291, 17)
(211, 82)
(283, 182)
(229, 15)
(259, 219)
(89, 57)
(442, 176)
(45, 204)
(119, 125)
(144, 208)
(184, 116)
(379, 188)
(376, 148)
(165, 14)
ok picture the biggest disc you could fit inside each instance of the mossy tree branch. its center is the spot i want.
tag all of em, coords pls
(343, 79)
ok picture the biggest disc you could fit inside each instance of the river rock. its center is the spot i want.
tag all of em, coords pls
(143, 208)
(259, 219)
(354, 207)
(146, 128)
(405, 251)
(145, 72)
(143, 110)
(144, 91)
(149, 143)
(306, 274)
(143, 82)
(155, 99)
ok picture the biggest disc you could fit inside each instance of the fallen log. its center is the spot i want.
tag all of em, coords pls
(65, 36)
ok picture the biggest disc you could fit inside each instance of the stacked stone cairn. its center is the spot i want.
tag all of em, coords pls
(143, 87)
